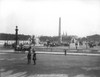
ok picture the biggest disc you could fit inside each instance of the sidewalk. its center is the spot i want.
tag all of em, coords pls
(53, 53)
(68, 53)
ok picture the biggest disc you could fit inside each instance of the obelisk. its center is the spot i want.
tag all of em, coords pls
(60, 37)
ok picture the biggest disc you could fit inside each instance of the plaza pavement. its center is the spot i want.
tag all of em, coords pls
(49, 64)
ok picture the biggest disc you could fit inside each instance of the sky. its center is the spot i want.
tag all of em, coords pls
(41, 17)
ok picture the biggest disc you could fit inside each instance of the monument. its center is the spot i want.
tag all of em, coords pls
(73, 43)
(60, 37)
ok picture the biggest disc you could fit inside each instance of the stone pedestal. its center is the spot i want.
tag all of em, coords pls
(73, 46)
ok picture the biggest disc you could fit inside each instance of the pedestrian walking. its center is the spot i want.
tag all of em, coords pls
(29, 57)
(65, 52)
(34, 56)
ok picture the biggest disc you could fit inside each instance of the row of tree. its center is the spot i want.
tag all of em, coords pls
(4, 36)
(95, 37)
(55, 38)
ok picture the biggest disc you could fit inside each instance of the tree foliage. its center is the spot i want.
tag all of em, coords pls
(4, 36)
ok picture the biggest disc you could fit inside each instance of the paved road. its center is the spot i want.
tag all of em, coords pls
(48, 65)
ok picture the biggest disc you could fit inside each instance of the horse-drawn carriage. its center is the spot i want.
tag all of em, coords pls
(23, 48)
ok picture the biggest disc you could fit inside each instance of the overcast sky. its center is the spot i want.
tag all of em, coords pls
(41, 17)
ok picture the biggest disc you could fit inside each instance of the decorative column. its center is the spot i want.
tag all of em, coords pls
(16, 37)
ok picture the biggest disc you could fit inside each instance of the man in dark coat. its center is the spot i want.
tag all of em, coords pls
(34, 56)
(29, 57)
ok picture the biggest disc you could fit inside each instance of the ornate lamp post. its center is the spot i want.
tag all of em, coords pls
(16, 37)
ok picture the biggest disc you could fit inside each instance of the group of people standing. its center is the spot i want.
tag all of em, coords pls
(31, 56)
